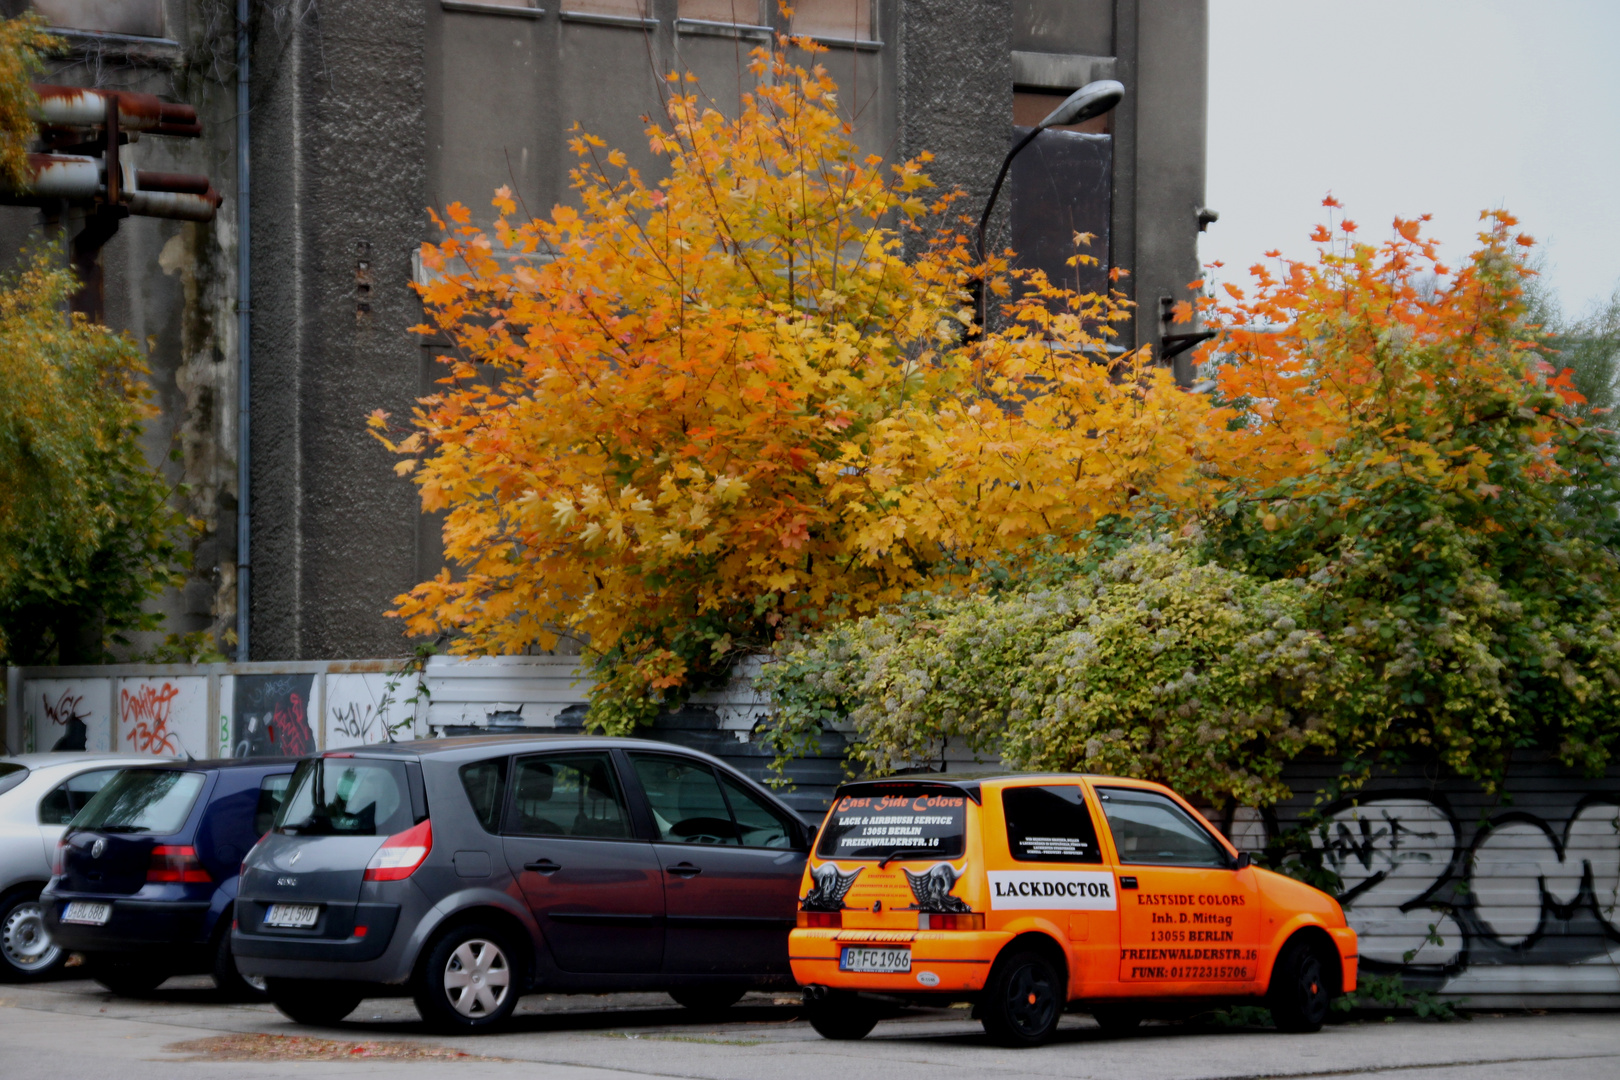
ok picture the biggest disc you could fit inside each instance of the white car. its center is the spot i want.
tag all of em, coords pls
(39, 794)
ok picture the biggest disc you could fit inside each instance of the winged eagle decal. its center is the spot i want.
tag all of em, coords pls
(933, 886)
(831, 886)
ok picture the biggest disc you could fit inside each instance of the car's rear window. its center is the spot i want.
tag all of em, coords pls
(346, 797)
(901, 822)
(142, 801)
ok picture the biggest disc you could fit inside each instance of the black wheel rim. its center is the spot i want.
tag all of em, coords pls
(1313, 990)
(1031, 999)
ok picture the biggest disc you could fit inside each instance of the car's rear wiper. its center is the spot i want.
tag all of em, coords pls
(895, 854)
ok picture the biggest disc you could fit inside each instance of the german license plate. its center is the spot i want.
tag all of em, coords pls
(88, 914)
(875, 960)
(298, 916)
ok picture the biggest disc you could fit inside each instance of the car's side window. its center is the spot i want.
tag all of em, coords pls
(66, 799)
(758, 823)
(568, 795)
(272, 793)
(1151, 830)
(485, 784)
(687, 804)
(1050, 824)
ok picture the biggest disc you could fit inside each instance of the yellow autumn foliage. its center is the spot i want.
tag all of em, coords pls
(686, 415)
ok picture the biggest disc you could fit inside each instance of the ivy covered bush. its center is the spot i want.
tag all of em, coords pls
(1153, 665)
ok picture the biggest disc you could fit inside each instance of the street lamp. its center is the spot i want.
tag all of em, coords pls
(1092, 99)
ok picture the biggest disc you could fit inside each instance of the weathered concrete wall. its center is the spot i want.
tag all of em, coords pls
(172, 285)
(954, 95)
(340, 151)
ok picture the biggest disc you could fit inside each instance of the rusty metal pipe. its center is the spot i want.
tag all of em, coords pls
(184, 183)
(78, 107)
(174, 204)
(63, 176)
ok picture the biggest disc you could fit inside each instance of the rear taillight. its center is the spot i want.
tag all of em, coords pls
(175, 864)
(58, 859)
(401, 854)
(821, 919)
(929, 920)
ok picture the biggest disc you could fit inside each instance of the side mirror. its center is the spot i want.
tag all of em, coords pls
(1243, 861)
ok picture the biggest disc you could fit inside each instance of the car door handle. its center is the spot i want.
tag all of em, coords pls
(544, 866)
(1127, 883)
(684, 870)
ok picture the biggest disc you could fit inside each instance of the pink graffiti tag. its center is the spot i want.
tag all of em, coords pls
(150, 707)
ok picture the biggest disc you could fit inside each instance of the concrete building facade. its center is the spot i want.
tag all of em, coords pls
(365, 113)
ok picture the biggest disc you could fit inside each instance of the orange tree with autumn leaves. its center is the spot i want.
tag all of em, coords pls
(1404, 550)
(690, 416)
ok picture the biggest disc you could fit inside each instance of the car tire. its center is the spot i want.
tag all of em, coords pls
(469, 981)
(1115, 1020)
(26, 949)
(123, 976)
(313, 1004)
(1299, 996)
(1023, 999)
(228, 981)
(840, 1016)
(708, 1000)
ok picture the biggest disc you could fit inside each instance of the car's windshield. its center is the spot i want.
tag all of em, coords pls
(11, 774)
(142, 801)
(903, 821)
(346, 797)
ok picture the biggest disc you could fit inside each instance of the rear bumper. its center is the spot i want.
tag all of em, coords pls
(345, 933)
(135, 925)
(941, 961)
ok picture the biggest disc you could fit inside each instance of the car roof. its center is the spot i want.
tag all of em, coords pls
(219, 763)
(972, 785)
(508, 743)
(47, 759)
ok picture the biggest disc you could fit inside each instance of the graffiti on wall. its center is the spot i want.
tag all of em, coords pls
(1520, 892)
(271, 716)
(166, 717)
(68, 714)
(369, 708)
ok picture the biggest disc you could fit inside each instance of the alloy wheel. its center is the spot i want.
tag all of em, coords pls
(1030, 999)
(477, 978)
(26, 941)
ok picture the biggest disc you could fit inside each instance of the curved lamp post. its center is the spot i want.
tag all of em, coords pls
(1092, 99)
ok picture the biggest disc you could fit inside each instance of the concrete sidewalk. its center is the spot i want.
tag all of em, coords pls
(71, 1029)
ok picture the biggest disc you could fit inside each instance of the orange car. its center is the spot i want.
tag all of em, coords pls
(1028, 894)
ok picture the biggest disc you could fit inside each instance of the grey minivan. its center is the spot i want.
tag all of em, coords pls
(467, 871)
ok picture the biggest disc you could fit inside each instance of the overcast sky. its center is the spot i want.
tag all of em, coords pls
(1444, 107)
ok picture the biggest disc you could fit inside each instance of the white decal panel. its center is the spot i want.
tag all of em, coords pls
(1052, 890)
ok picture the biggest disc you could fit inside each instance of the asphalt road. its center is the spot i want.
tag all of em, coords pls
(72, 1029)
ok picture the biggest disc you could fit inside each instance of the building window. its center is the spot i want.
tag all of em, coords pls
(1031, 107)
(850, 20)
(740, 12)
(633, 9)
(139, 18)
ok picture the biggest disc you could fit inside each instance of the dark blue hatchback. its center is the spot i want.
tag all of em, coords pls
(145, 879)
